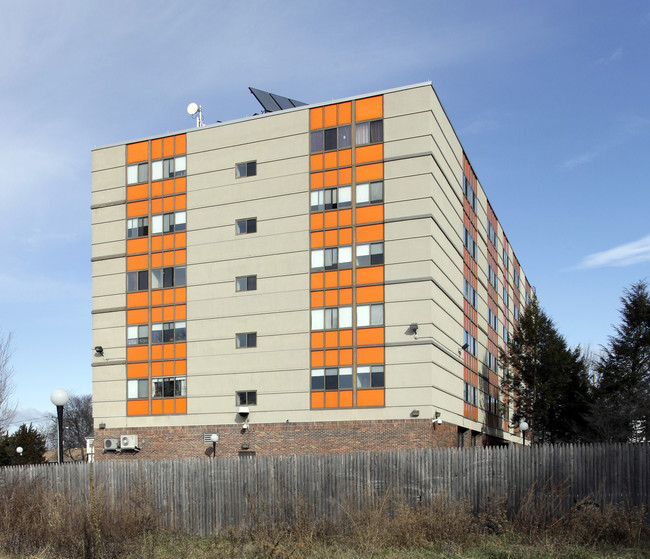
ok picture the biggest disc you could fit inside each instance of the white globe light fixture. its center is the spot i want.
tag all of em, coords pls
(19, 452)
(215, 439)
(59, 398)
(523, 426)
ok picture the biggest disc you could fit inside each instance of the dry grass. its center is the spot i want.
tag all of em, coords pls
(37, 522)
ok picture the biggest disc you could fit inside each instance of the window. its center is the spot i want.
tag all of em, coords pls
(331, 318)
(331, 198)
(470, 342)
(331, 138)
(331, 258)
(370, 132)
(492, 319)
(345, 136)
(492, 278)
(246, 283)
(248, 398)
(370, 193)
(168, 332)
(491, 361)
(370, 376)
(491, 233)
(493, 405)
(137, 334)
(370, 315)
(527, 297)
(515, 278)
(471, 394)
(371, 254)
(515, 312)
(169, 168)
(247, 169)
(331, 378)
(246, 339)
(137, 173)
(469, 193)
(244, 226)
(506, 334)
(172, 276)
(169, 387)
(469, 242)
(137, 227)
(168, 223)
(505, 258)
(506, 297)
(470, 293)
(137, 388)
(316, 141)
(137, 281)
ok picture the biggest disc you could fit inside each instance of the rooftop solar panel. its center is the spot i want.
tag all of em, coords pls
(273, 102)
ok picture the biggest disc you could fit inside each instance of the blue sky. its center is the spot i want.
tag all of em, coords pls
(550, 100)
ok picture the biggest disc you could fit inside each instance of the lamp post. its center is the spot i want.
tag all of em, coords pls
(19, 451)
(523, 426)
(214, 438)
(59, 398)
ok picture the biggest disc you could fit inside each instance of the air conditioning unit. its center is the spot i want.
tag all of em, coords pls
(129, 442)
(111, 444)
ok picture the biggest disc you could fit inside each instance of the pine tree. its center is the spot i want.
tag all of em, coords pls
(622, 392)
(546, 382)
(32, 442)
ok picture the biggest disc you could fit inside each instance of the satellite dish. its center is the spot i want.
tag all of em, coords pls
(192, 109)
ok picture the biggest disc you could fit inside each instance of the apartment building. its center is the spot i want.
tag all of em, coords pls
(320, 279)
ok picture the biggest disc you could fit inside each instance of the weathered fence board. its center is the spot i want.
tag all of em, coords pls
(208, 495)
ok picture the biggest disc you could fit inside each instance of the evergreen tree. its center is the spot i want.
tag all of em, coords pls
(30, 439)
(622, 391)
(546, 382)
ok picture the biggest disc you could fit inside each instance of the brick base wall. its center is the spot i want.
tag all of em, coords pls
(280, 439)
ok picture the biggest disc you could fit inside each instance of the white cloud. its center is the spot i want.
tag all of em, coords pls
(612, 57)
(623, 255)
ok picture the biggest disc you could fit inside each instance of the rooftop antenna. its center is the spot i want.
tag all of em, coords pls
(195, 111)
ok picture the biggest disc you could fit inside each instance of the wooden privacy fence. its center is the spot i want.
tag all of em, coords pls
(206, 495)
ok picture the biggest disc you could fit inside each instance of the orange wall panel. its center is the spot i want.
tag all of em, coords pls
(317, 358)
(372, 397)
(180, 239)
(181, 350)
(370, 294)
(168, 313)
(345, 175)
(181, 201)
(316, 118)
(330, 161)
(372, 172)
(345, 159)
(369, 355)
(316, 180)
(168, 258)
(168, 405)
(345, 112)
(345, 398)
(369, 108)
(345, 236)
(156, 313)
(156, 206)
(331, 279)
(332, 339)
(180, 257)
(156, 407)
(156, 260)
(139, 299)
(345, 357)
(168, 187)
(316, 221)
(345, 278)
(331, 218)
(156, 148)
(316, 162)
(156, 351)
(331, 237)
(168, 146)
(135, 209)
(317, 238)
(168, 204)
(368, 214)
(156, 189)
(168, 368)
(331, 298)
(137, 316)
(137, 407)
(168, 242)
(317, 340)
(369, 233)
(181, 405)
(137, 192)
(331, 178)
(181, 312)
(345, 217)
(370, 275)
(331, 399)
(168, 351)
(135, 246)
(137, 152)
(317, 280)
(331, 357)
(366, 154)
(181, 367)
(181, 294)
(345, 337)
(180, 184)
(370, 336)
(317, 399)
(329, 116)
(180, 144)
(156, 369)
(137, 353)
(137, 370)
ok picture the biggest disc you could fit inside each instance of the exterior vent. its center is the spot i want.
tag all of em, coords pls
(207, 437)
(129, 442)
(111, 444)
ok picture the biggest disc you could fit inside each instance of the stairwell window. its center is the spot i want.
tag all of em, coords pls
(247, 169)
(246, 226)
(246, 339)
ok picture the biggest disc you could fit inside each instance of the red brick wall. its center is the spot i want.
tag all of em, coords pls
(281, 439)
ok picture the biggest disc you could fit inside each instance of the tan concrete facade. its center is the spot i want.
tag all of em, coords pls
(425, 265)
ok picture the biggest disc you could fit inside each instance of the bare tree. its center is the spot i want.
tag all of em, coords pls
(7, 404)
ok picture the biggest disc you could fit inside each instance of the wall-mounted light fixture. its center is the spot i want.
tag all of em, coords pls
(415, 413)
(99, 350)
(437, 420)
(465, 346)
(413, 327)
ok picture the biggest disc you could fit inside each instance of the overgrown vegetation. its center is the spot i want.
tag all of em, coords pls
(37, 522)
